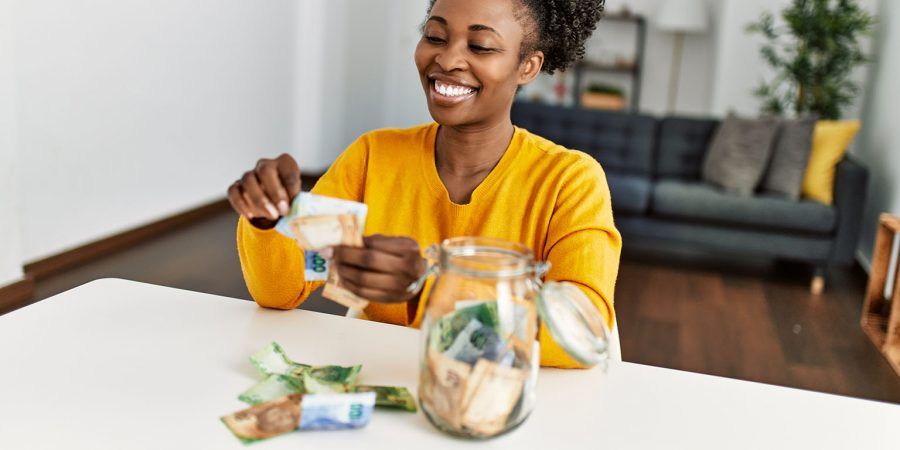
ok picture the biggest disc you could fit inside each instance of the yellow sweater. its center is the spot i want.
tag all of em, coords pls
(540, 194)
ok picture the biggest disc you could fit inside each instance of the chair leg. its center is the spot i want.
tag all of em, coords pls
(817, 285)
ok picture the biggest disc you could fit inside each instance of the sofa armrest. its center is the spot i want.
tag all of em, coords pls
(851, 181)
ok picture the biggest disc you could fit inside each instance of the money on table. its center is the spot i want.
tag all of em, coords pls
(301, 412)
(294, 396)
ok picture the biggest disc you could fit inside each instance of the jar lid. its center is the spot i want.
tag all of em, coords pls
(574, 322)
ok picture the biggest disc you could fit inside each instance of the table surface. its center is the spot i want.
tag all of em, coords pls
(118, 364)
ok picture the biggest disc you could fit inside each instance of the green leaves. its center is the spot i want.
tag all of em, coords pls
(813, 50)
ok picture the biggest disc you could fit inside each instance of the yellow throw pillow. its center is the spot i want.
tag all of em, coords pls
(830, 141)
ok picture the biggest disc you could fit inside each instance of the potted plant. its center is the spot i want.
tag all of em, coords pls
(603, 96)
(813, 50)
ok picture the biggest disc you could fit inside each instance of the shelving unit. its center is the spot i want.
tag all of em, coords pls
(635, 71)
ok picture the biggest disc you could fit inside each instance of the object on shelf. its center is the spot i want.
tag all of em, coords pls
(881, 313)
(614, 63)
(603, 96)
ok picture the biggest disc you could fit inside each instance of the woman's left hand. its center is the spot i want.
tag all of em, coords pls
(382, 270)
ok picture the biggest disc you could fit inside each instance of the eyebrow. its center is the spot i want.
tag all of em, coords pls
(476, 27)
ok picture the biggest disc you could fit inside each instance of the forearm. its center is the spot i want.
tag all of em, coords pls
(273, 267)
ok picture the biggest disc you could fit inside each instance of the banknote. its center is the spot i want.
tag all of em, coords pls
(319, 232)
(391, 397)
(307, 204)
(272, 387)
(492, 393)
(330, 379)
(447, 387)
(351, 235)
(265, 420)
(272, 359)
(336, 411)
(305, 412)
(315, 267)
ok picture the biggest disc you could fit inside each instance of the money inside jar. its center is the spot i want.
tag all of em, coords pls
(477, 368)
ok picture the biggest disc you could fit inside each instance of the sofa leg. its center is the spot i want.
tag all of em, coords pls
(817, 285)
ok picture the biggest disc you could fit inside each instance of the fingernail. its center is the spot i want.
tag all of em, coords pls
(249, 215)
(284, 208)
(272, 211)
(327, 253)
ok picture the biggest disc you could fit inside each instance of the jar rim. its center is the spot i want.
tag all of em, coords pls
(461, 247)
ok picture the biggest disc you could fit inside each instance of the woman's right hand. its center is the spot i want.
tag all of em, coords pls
(265, 193)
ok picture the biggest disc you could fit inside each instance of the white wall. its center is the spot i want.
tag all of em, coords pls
(10, 251)
(739, 68)
(370, 79)
(132, 110)
(879, 147)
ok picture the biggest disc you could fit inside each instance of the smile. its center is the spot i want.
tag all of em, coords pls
(450, 94)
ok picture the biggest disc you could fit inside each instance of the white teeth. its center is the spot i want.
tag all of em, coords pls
(448, 90)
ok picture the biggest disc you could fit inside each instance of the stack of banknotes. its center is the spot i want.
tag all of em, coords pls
(318, 222)
(294, 396)
(480, 372)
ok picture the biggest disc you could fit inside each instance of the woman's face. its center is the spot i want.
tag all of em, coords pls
(469, 61)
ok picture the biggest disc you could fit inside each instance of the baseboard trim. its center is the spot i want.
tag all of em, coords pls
(864, 262)
(43, 268)
(16, 295)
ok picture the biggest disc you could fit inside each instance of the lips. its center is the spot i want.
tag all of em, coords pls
(448, 92)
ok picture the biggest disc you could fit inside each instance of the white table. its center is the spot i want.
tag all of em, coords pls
(118, 364)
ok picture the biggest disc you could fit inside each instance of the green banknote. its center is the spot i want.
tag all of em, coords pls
(449, 327)
(272, 387)
(390, 397)
(272, 359)
(330, 379)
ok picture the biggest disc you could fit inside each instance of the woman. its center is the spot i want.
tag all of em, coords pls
(472, 173)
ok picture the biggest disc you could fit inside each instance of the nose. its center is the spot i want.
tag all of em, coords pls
(452, 57)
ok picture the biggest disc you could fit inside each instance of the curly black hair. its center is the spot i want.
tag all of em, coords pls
(559, 28)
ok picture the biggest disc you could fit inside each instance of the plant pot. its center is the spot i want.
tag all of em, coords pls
(595, 100)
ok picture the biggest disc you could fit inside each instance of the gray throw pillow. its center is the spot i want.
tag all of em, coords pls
(790, 157)
(739, 154)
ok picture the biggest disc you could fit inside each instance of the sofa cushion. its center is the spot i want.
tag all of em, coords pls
(739, 153)
(630, 193)
(790, 158)
(621, 142)
(682, 146)
(696, 201)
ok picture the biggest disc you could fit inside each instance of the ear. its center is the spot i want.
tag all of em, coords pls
(530, 68)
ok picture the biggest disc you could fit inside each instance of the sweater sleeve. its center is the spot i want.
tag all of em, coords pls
(273, 265)
(583, 248)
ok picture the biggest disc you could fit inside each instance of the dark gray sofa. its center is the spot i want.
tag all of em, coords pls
(653, 170)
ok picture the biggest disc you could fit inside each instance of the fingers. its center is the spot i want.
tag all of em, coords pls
(289, 173)
(400, 246)
(270, 181)
(265, 193)
(380, 271)
(373, 280)
(236, 198)
(256, 198)
(375, 295)
(370, 259)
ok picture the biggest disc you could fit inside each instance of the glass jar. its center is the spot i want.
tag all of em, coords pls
(480, 354)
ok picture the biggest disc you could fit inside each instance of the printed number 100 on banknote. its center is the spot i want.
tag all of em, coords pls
(316, 268)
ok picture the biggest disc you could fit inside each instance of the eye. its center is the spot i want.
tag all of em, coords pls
(434, 39)
(479, 49)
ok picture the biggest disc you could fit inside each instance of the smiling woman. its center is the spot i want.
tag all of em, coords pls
(470, 173)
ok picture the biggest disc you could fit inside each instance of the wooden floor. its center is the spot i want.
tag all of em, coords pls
(752, 320)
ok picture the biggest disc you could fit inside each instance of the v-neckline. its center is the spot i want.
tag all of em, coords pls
(433, 178)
